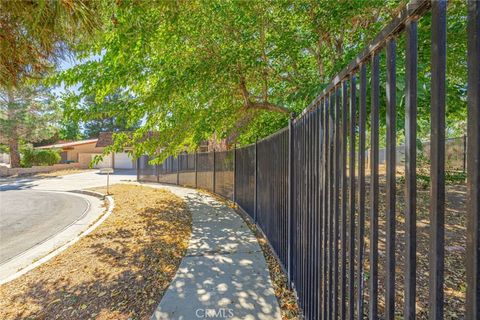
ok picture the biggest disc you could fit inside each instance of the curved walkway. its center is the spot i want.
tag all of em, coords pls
(224, 273)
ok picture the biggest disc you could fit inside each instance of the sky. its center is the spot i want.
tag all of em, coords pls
(67, 63)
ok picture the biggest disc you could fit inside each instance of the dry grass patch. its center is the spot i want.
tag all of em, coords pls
(120, 271)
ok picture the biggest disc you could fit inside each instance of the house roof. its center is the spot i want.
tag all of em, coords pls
(104, 139)
(68, 144)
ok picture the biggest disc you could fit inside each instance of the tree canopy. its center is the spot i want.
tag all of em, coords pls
(36, 33)
(235, 69)
(190, 70)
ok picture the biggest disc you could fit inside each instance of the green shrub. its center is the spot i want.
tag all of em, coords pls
(31, 157)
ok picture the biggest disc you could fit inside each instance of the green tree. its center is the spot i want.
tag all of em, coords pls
(69, 130)
(28, 115)
(235, 69)
(34, 35)
(92, 128)
(110, 114)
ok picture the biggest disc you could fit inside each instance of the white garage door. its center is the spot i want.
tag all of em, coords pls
(105, 163)
(123, 161)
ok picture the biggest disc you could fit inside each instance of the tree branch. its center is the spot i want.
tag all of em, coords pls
(269, 106)
(264, 105)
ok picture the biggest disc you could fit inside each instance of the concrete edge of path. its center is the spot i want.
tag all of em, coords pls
(46, 250)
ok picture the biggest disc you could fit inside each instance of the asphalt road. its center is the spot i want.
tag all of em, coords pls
(28, 217)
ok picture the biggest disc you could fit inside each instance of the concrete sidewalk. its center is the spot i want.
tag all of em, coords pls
(224, 273)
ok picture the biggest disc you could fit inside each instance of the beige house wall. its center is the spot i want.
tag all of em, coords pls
(84, 153)
(72, 155)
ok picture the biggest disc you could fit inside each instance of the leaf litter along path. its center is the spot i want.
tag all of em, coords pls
(119, 271)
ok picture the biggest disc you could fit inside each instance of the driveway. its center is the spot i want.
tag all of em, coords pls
(29, 217)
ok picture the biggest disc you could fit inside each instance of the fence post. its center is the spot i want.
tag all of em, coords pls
(290, 200)
(138, 168)
(234, 172)
(214, 174)
(255, 183)
(473, 168)
(464, 153)
(196, 170)
(178, 169)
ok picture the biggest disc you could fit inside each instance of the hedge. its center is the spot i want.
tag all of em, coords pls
(32, 157)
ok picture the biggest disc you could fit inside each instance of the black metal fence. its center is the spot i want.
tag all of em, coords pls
(309, 189)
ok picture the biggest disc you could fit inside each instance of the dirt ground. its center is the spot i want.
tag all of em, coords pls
(119, 271)
(455, 245)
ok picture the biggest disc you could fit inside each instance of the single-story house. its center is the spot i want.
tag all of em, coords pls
(84, 151)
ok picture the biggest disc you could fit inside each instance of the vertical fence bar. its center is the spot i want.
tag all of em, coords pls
(138, 168)
(410, 169)
(293, 198)
(234, 196)
(343, 285)
(325, 207)
(390, 179)
(301, 210)
(437, 157)
(196, 169)
(464, 164)
(178, 170)
(330, 201)
(315, 213)
(313, 236)
(320, 211)
(307, 168)
(255, 183)
(473, 163)
(291, 161)
(336, 203)
(305, 213)
(214, 171)
(361, 189)
(311, 145)
(374, 132)
(351, 277)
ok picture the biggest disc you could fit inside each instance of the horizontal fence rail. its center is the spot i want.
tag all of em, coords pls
(327, 197)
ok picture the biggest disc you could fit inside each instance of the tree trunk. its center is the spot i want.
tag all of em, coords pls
(13, 138)
(14, 153)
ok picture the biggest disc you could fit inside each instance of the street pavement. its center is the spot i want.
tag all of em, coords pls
(29, 217)
(40, 215)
